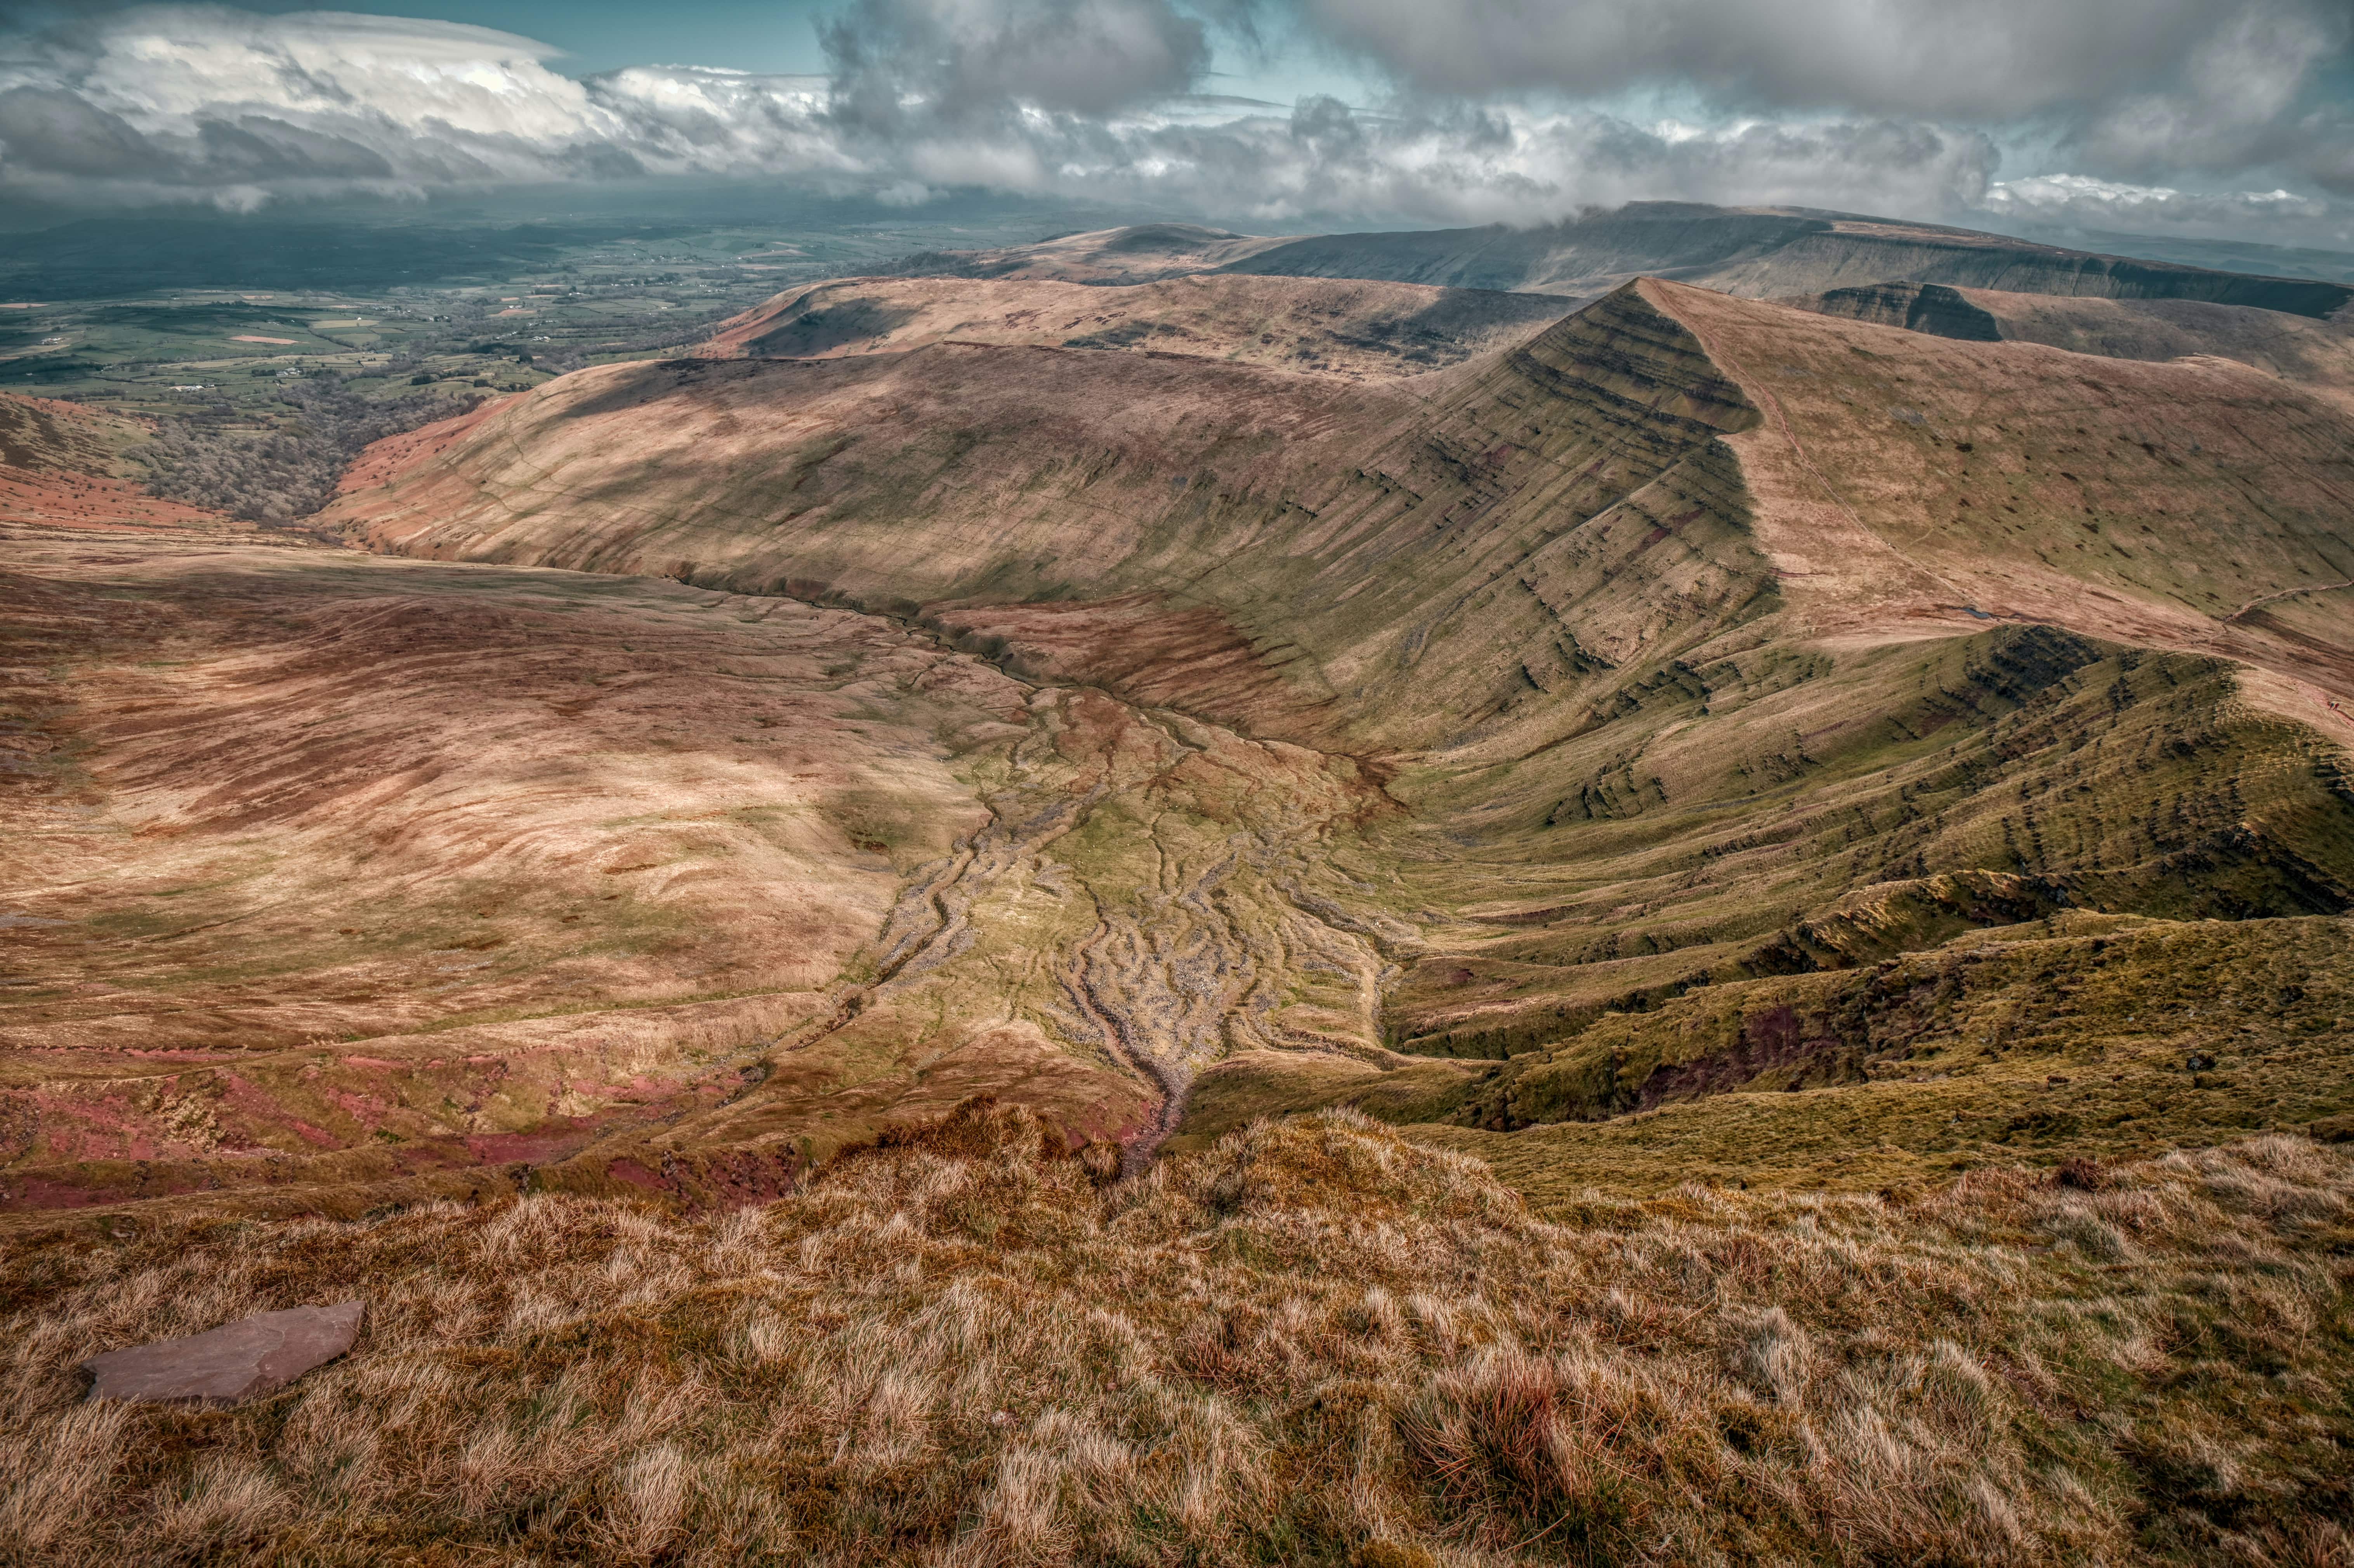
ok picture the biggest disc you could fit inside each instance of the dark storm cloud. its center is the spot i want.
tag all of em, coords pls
(2138, 90)
(956, 59)
(55, 131)
(1972, 60)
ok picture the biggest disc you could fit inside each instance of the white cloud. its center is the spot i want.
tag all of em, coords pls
(2237, 101)
(1511, 164)
(962, 60)
(229, 107)
(2080, 201)
(220, 103)
(689, 119)
(1972, 61)
(1085, 98)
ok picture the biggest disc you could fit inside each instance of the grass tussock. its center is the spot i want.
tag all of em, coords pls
(1312, 1343)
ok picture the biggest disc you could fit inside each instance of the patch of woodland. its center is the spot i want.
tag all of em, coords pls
(288, 467)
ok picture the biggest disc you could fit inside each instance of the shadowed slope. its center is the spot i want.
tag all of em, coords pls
(1917, 307)
(1698, 820)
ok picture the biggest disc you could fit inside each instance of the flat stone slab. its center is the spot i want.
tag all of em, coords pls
(237, 1361)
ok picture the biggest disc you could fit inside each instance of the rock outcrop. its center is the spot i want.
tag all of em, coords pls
(240, 1360)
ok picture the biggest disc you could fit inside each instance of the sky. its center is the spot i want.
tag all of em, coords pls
(2197, 119)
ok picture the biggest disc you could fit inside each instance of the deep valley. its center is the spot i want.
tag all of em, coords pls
(1345, 793)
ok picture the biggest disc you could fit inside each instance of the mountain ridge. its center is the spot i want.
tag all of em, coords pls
(1285, 738)
(1509, 593)
(1755, 251)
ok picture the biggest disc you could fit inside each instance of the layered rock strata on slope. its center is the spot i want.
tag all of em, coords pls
(1650, 651)
(1350, 537)
(2032, 1044)
(1413, 558)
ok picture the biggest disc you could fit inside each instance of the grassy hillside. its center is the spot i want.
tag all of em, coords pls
(1313, 1344)
(1694, 641)
(338, 872)
(1884, 488)
(1159, 741)
(1352, 330)
(1712, 932)
(1034, 475)
(2317, 356)
(63, 464)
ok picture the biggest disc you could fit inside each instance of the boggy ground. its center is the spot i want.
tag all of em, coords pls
(1313, 1343)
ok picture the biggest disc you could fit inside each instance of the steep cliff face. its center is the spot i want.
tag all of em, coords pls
(1848, 253)
(1916, 307)
(1714, 821)
(1579, 255)
(1972, 549)
(1906, 480)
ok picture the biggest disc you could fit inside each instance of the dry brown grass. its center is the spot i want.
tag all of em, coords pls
(1312, 1343)
(1349, 328)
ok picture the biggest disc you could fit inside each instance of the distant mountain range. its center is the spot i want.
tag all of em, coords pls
(1755, 251)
